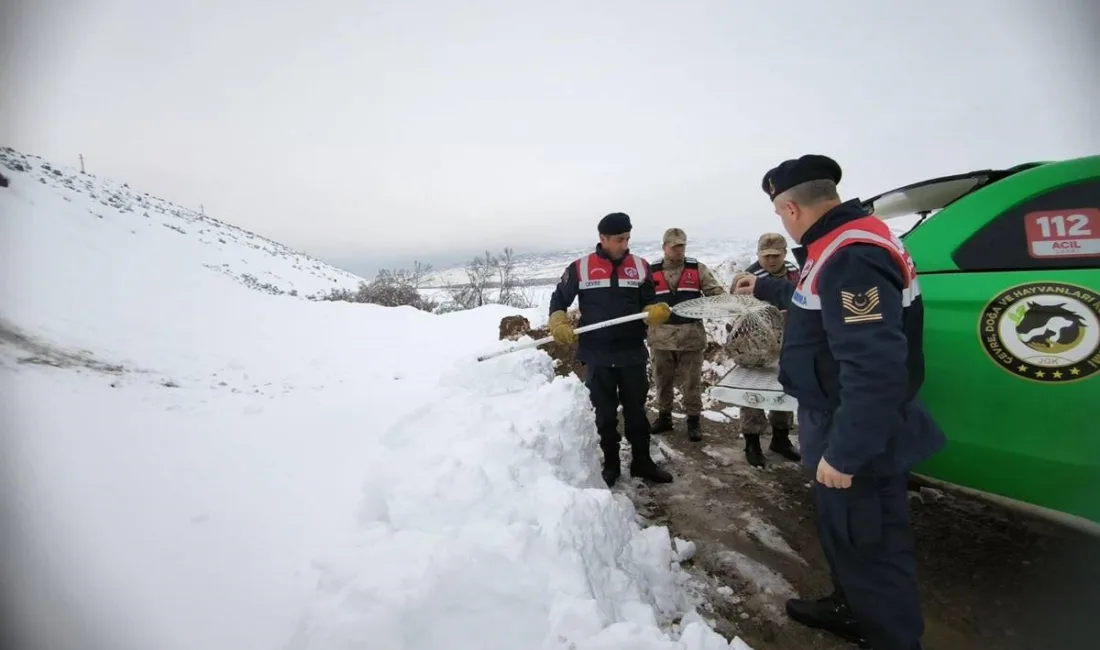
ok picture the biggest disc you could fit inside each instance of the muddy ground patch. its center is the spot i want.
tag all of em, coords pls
(990, 579)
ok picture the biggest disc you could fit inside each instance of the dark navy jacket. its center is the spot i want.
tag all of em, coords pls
(619, 345)
(853, 351)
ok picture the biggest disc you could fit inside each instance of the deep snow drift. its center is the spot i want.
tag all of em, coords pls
(190, 462)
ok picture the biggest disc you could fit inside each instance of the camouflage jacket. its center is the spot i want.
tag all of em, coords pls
(690, 337)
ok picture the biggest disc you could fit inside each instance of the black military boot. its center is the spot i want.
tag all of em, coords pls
(695, 431)
(781, 444)
(753, 454)
(643, 467)
(612, 467)
(662, 424)
(831, 614)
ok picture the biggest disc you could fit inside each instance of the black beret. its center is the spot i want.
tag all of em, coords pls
(811, 167)
(615, 223)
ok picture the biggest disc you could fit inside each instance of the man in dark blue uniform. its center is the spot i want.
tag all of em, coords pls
(609, 283)
(853, 358)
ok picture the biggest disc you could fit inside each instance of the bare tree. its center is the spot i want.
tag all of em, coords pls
(505, 271)
(485, 273)
(480, 272)
(419, 274)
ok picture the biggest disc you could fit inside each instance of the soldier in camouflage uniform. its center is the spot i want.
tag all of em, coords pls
(770, 260)
(678, 345)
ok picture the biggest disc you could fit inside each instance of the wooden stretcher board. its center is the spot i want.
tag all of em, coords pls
(753, 387)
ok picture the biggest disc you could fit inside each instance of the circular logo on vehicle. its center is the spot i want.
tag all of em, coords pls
(1044, 331)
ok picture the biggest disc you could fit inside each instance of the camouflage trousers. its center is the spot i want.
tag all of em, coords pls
(754, 421)
(672, 366)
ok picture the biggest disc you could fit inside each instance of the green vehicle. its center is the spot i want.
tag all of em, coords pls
(1009, 264)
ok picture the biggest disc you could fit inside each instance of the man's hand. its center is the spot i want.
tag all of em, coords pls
(832, 478)
(561, 330)
(745, 284)
(657, 314)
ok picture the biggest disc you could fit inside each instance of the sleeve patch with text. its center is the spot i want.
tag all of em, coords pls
(860, 306)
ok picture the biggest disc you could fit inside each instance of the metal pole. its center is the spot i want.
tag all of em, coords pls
(579, 330)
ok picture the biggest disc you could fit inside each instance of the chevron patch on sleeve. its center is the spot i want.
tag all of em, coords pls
(860, 306)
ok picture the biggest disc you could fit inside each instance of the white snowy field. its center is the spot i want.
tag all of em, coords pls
(195, 460)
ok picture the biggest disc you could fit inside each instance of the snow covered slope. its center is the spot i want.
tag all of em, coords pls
(192, 463)
(163, 227)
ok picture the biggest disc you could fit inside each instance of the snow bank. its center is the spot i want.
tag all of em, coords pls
(487, 508)
(197, 464)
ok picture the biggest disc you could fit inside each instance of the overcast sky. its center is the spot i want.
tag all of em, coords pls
(413, 128)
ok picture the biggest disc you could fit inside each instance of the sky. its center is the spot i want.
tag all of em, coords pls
(364, 131)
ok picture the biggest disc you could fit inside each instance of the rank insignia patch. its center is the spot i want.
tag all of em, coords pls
(861, 306)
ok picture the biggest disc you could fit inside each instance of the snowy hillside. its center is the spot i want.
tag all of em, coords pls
(160, 226)
(193, 462)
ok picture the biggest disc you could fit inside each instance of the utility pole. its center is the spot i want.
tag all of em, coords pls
(81, 163)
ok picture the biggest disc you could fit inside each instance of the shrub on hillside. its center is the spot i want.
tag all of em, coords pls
(390, 288)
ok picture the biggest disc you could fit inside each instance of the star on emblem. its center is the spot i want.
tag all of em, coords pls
(1021, 368)
(1074, 371)
(1040, 374)
(1057, 374)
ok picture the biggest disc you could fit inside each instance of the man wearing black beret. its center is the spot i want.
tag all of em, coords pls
(611, 282)
(853, 358)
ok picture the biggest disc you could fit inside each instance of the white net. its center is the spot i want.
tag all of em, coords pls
(756, 338)
(731, 305)
(755, 327)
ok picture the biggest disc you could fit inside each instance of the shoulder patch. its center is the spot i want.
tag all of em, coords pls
(860, 305)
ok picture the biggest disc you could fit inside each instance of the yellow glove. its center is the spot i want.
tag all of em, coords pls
(657, 314)
(561, 330)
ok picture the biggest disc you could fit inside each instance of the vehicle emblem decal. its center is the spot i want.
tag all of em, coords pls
(1043, 331)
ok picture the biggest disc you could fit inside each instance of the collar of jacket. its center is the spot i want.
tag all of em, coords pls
(839, 215)
(781, 273)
